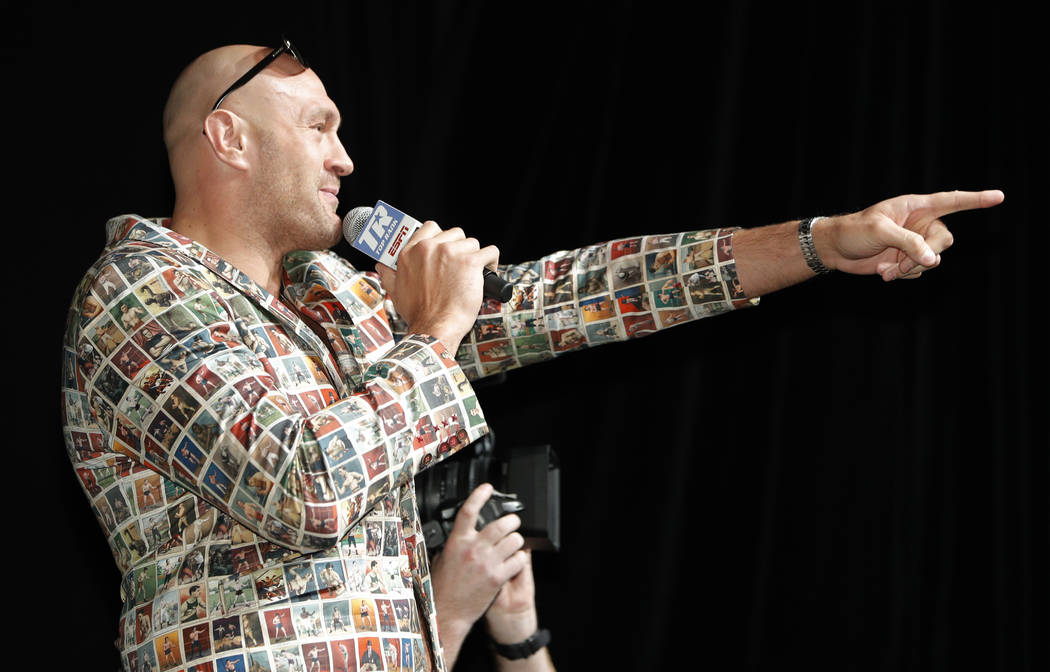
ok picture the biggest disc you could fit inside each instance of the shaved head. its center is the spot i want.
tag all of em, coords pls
(259, 176)
(197, 87)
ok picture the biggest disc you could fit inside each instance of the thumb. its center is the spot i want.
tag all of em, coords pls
(912, 244)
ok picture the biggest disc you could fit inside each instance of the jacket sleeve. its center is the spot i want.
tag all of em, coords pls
(612, 291)
(182, 375)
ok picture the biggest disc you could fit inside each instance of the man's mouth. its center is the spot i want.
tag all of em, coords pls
(331, 193)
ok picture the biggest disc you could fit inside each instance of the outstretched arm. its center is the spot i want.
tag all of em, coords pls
(634, 286)
(897, 238)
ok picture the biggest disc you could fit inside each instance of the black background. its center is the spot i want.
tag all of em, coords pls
(850, 477)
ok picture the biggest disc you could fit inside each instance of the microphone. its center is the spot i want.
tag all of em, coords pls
(380, 232)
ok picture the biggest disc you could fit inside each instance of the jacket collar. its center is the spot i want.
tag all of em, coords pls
(309, 277)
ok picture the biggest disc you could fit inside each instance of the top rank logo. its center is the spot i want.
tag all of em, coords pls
(373, 238)
(384, 233)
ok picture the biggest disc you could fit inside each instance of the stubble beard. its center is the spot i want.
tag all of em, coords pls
(289, 208)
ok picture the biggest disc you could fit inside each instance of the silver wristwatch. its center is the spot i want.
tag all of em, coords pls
(809, 253)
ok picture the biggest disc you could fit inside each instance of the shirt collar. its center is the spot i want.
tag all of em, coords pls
(302, 269)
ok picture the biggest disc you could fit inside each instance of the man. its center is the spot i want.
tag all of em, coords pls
(370, 658)
(256, 160)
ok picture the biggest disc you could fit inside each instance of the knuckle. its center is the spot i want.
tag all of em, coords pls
(469, 508)
(879, 225)
(464, 522)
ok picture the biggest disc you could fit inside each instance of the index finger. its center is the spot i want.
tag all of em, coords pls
(947, 202)
(488, 256)
(429, 229)
(467, 518)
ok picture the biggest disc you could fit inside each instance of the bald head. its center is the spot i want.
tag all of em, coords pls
(259, 176)
(197, 87)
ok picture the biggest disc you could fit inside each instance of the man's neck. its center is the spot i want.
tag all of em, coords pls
(235, 243)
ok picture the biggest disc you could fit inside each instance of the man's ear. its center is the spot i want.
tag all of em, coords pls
(226, 133)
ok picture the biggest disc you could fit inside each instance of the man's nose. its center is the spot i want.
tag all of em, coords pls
(341, 164)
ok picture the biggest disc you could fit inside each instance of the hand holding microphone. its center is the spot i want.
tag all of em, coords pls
(434, 277)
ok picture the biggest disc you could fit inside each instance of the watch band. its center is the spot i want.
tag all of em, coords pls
(534, 643)
(809, 252)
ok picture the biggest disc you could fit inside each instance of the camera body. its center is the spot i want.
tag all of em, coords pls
(527, 482)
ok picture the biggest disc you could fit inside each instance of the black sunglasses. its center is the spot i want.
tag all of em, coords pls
(286, 47)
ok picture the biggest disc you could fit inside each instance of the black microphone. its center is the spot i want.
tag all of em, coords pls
(388, 229)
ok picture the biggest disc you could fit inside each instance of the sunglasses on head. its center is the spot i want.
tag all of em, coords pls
(286, 47)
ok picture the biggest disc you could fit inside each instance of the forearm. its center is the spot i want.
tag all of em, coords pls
(453, 633)
(274, 446)
(440, 330)
(537, 662)
(769, 258)
(381, 426)
(900, 237)
(613, 291)
(514, 628)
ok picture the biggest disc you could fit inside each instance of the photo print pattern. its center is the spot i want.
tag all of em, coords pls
(253, 474)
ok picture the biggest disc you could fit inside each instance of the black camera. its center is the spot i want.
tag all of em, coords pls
(527, 482)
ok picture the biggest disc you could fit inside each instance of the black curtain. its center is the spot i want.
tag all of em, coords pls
(851, 476)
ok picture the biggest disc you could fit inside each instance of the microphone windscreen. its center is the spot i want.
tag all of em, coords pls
(354, 221)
